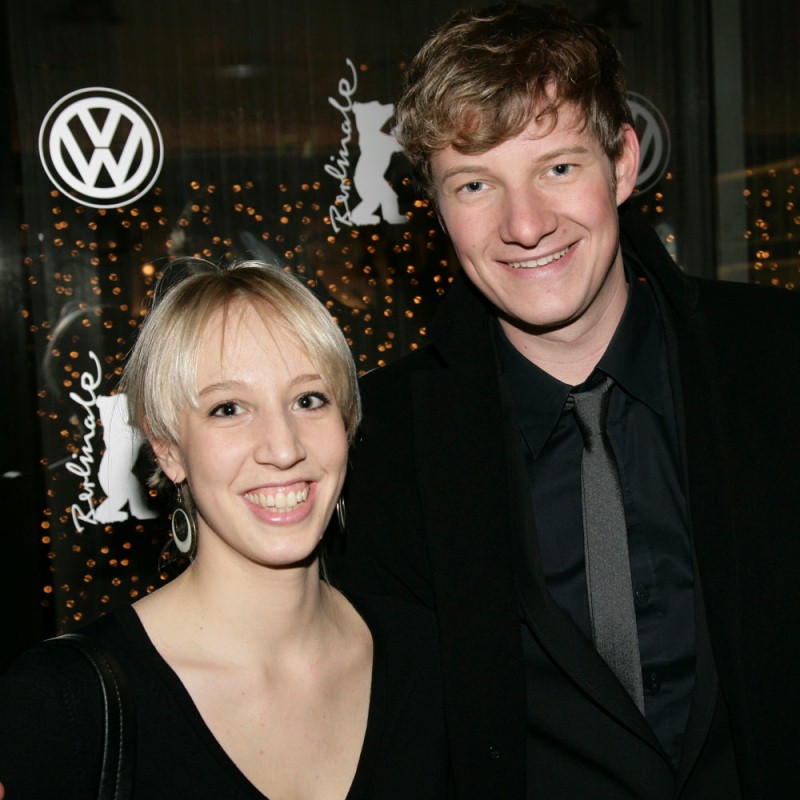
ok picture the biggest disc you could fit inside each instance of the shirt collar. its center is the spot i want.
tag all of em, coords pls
(538, 397)
(636, 357)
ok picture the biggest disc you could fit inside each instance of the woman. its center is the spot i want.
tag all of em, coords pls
(251, 676)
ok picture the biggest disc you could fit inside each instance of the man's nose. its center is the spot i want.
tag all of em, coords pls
(526, 217)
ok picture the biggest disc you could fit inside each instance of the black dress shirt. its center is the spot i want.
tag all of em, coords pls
(642, 430)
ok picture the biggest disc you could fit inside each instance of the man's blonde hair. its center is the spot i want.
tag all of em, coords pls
(486, 73)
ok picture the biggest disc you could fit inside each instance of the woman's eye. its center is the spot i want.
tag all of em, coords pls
(311, 401)
(228, 409)
(562, 169)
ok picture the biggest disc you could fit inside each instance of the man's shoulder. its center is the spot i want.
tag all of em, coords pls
(386, 392)
(459, 335)
(748, 330)
(737, 292)
(747, 307)
(400, 371)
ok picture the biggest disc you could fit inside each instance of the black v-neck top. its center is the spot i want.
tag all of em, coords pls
(51, 718)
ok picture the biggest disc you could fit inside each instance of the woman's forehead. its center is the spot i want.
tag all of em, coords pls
(245, 331)
(244, 319)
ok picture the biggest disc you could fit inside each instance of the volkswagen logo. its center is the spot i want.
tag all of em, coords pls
(100, 147)
(654, 147)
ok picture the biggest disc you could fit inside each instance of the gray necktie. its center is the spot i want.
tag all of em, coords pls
(608, 569)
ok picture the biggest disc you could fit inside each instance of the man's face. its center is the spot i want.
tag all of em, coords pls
(534, 223)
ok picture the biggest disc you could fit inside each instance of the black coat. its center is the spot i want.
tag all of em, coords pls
(431, 511)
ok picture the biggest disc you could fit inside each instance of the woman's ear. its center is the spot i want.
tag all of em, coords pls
(168, 455)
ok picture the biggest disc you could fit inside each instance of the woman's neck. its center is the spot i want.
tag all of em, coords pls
(243, 612)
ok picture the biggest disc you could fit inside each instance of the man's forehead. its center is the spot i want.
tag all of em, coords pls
(562, 130)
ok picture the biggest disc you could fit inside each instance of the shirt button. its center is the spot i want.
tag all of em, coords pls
(652, 681)
(494, 753)
(641, 595)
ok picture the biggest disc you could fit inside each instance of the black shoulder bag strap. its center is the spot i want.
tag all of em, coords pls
(116, 772)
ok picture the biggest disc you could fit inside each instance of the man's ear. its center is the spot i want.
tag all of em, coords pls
(169, 459)
(627, 165)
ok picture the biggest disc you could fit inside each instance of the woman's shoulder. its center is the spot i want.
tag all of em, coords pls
(58, 657)
(51, 711)
(55, 680)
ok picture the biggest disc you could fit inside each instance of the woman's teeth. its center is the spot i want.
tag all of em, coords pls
(278, 501)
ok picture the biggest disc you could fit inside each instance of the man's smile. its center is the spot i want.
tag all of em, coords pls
(539, 262)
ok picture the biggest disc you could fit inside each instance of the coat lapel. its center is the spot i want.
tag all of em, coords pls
(462, 470)
(700, 413)
(465, 501)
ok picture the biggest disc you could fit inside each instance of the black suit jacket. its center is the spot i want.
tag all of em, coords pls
(432, 507)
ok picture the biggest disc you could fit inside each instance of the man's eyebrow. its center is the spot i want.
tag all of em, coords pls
(553, 155)
(466, 169)
(550, 155)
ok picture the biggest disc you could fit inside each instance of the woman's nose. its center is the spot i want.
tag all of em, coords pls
(279, 442)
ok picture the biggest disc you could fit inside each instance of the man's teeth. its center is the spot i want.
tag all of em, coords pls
(539, 262)
(279, 501)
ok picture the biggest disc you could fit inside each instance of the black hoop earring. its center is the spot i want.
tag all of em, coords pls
(340, 512)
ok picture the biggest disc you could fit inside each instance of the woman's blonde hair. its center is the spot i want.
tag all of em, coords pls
(159, 378)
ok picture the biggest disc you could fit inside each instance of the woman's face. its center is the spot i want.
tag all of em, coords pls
(265, 450)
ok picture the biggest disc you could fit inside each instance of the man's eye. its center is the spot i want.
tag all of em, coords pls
(562, 169)
(311, 401)
(472, 187)
(228, 409)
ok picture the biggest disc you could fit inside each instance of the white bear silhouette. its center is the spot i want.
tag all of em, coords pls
(115, 473)
(376, 153)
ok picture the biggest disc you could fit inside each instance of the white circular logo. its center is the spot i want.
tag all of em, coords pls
(100, 147)
(654, 146)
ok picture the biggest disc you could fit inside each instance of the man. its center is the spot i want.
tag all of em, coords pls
(475, 487)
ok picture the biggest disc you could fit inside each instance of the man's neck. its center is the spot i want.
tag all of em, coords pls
(570, 353)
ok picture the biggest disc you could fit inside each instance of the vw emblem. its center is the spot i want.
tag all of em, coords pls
(100, 147)
(654, 147)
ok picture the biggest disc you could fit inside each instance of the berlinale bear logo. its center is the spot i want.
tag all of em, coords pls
(376, 153)
(376, 148)
(115, 473)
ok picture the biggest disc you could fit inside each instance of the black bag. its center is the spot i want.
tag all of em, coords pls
(116, 773)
